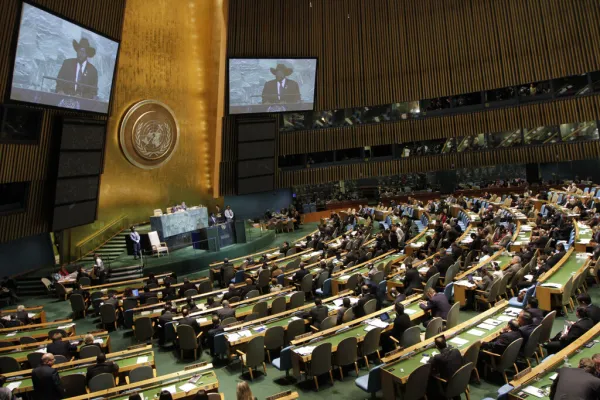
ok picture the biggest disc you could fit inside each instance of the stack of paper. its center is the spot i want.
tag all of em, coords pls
(458, 341)
(13, 385)
(200, 321)
(552, 285)
(41, 350)
(409, 311)
(344, 277)
(233, 337)
(465, 283)
(171, 389)
(304, 351)
(142, 359)
(505, 318)
(245, 333)
(377, 323)
(485, 326)
(30, 315)
(476, 332)
(187, 387)
(99, 341)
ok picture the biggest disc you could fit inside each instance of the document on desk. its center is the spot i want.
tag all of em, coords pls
(493, 322)
(142, 359)
(304, 351)
(552, 285)
(465, 283)
(409, 311)
(425, 359)
(377, 323)
(476, 332)
(13, 385)
(30, 315)
(338, 302)
(485, 326)
(532, 390)
(504, 318)
(233, 337)
(458, 341)
(200, 321)
(344, 277)
(245, 333)
(171, 389)
(187, 387)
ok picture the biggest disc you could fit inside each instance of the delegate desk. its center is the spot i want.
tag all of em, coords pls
(339, 281)
(553, 281)
(37, 331)
(177, 383)
(35, 313)
(242, 308)
(20, 381)
(119, 287)
(583, 236)
(537, 382)
(20, 352)
(400, 365)
(236, 336)
(357, 328)
(462, 285)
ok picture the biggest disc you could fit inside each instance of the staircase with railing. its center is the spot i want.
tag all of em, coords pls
(109, 242)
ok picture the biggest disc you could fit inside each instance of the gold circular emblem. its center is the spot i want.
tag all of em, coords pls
(149, 134)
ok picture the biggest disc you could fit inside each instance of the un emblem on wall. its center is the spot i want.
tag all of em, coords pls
(149, 134)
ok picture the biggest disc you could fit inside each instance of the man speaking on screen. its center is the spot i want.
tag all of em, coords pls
(77, 76)
(281, 90)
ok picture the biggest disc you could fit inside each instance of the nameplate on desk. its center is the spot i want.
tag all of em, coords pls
(303, 336)
(522, 373)
(279, 395)
(137, 346)
(391, 353)
(202, 364)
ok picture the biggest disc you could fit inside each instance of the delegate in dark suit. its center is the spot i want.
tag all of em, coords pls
(106, 367)
(61, 348)
(191, 322)
(46, 383)
(318, 314)
(412, 280)
(576, 384)
(359, 307)
(593, 312)
(575, 331)
(446, 363)
(500, 344)
(438, 305)
(225, 312)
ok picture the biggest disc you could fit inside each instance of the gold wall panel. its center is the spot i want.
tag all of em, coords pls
(170, 52)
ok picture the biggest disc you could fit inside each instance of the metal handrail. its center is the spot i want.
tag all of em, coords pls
(84, 242)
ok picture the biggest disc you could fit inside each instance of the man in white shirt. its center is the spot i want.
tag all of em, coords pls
(135, 238)
(228, 214)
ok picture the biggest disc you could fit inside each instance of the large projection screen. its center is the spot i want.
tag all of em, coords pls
(61, 64)
(271, 85)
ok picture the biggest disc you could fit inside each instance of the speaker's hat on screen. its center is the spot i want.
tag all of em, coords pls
(91, 52)
(281, 67)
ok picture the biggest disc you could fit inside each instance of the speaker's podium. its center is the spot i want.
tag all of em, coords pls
(219, 235)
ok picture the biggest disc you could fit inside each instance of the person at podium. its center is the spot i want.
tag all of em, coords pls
(281, 90)
(212, 220)
(77, 76)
